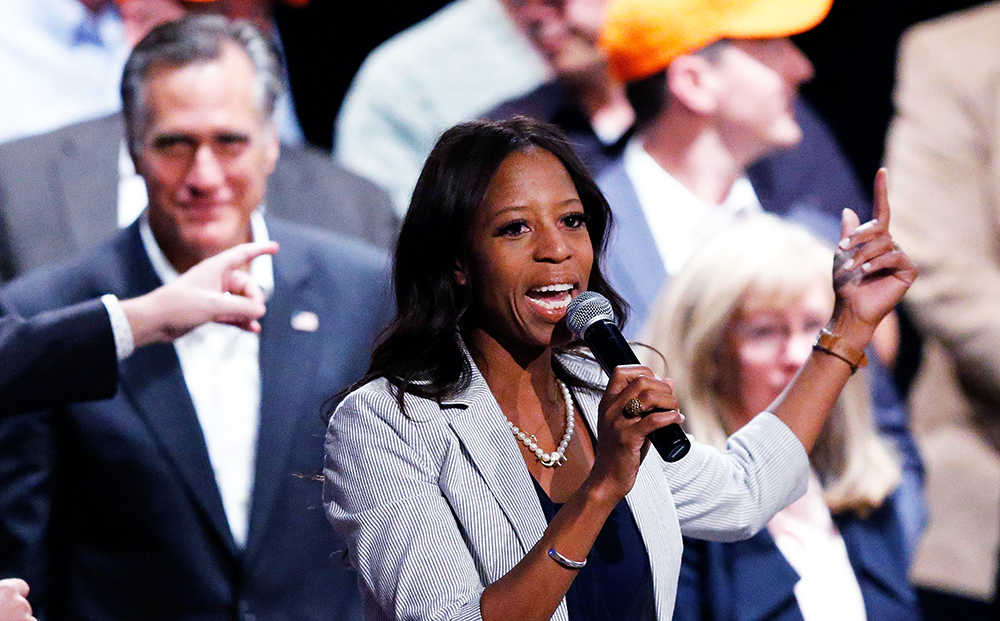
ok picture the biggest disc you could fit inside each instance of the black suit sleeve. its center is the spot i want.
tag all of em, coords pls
(56, 357)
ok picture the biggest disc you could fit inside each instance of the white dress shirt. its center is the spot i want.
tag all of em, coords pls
(805, 534)
(60, 64)
(222, 372)
(121, 330)
(680, 221)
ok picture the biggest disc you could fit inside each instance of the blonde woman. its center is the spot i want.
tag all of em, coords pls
(736, 324)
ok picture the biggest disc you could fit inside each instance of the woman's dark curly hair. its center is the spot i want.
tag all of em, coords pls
(421, 352)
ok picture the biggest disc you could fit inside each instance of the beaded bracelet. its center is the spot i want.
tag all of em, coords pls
(566, 562)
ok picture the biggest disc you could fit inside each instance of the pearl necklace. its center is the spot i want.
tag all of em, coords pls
(557, 457)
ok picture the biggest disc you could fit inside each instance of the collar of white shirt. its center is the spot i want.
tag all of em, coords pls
(72, 24)
(261, 268)
(807, 537)
(221, 370)
(678, 220)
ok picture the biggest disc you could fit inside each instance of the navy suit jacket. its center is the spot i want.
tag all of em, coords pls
(57, 357)
(751, 580)
(633, 264)
(111, 509)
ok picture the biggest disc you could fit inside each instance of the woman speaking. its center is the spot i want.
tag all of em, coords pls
(486, 468)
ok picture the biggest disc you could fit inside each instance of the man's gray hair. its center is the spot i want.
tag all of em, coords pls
(192, 39)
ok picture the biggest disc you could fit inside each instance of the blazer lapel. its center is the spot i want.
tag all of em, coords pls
(482, 427)
(875, 547)
(634, 264)
(152, 381)
(587, 400)
(88, 180)
(765, 579)
(654, 515)
(288, 359)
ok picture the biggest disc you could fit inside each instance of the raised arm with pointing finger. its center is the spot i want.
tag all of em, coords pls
(870, 275)
(71, 354)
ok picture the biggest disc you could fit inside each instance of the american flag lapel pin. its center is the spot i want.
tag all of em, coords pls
(305, 321)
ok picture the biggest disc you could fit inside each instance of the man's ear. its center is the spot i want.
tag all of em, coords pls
(691, 83)
(135, 150)
(272, 146)
(460, 276)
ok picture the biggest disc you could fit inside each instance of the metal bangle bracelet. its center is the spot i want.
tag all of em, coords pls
(566, 562)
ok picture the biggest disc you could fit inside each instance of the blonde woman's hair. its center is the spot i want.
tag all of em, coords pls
(767, 263)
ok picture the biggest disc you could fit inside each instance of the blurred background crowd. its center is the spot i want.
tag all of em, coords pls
(369, 87)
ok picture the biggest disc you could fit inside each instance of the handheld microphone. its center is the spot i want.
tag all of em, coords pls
(590, 317)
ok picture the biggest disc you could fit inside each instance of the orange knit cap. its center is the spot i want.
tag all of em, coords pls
(641, 37)
(294, 3)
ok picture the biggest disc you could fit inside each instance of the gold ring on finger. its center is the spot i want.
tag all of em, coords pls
(633, 408)
(895, 247)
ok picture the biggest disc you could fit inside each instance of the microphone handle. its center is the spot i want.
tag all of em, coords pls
(612, 350)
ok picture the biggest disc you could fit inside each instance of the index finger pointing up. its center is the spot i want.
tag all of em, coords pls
(881, 210)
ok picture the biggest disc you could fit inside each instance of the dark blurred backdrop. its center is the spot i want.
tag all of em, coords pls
(325, 42)
(854, 51)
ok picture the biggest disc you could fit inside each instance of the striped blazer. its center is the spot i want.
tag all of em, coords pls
(436, 503)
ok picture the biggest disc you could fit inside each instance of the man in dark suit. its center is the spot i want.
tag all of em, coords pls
(191, 494)
(72, 353)
(59, 191)
(60, 195)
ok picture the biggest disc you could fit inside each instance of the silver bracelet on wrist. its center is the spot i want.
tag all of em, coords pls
(566, 562)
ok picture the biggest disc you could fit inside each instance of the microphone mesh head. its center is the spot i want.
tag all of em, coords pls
(585, 309)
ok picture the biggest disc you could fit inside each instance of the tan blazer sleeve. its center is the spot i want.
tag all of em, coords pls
(944, 182)
(944, 186)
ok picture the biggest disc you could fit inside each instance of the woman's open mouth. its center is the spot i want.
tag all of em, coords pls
(551, 297)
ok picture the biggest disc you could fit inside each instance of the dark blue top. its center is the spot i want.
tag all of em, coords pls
(617, 583)
(752, 581)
